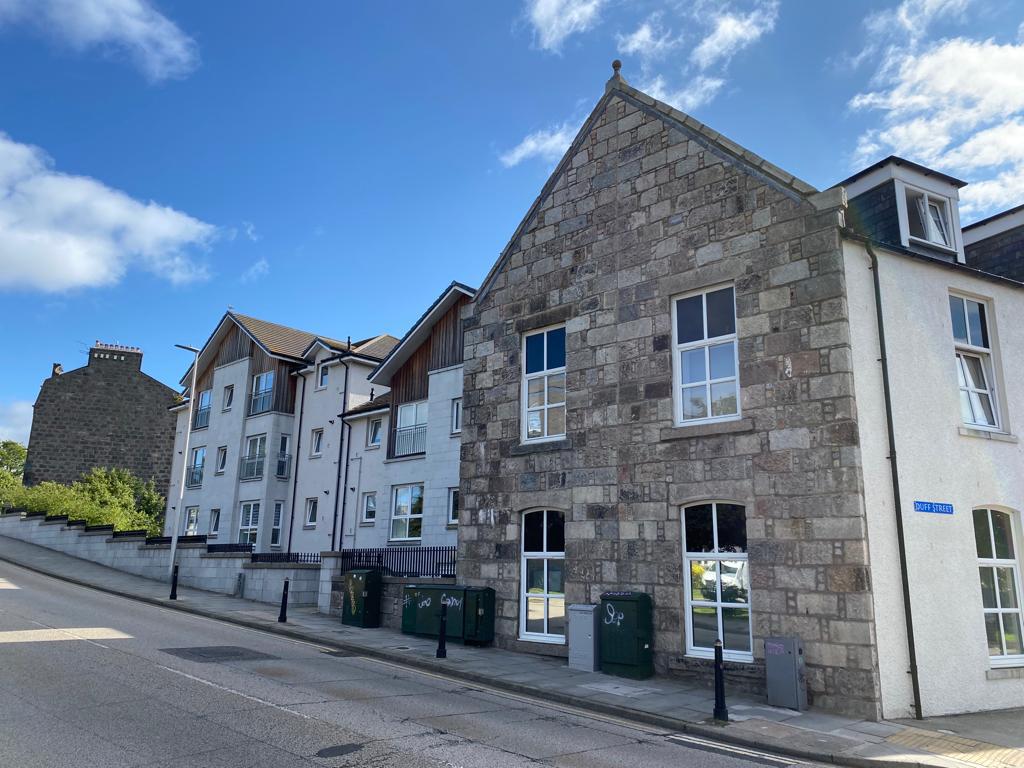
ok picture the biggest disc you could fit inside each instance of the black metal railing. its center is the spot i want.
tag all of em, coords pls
(244, 548)
(409, 440)
(286, 557)
(260, 402)
(194, 476)
(284, 465)
(420, 562)
(191, 539)
(252, 466)
(201, 418)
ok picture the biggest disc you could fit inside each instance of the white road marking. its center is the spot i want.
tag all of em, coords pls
(717, 745)
(224, 688)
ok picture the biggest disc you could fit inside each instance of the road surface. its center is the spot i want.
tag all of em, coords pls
(90, 679)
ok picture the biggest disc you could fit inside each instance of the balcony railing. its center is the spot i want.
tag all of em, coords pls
(201, 420)
(260, 402)
(194, 476)
(252, 467)
(416, 562)
(409, 440)
(284, 465)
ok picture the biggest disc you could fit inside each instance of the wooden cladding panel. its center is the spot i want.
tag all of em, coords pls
(235, 346)
(446, 337)
(284, 382)
(408, 385)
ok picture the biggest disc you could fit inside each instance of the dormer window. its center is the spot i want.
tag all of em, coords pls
(928, 218)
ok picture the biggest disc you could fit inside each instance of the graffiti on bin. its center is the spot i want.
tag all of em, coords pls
(424, 603)
(614, 616)
(451, 601)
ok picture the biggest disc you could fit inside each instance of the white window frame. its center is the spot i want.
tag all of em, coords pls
(365, 508)
(986, 357)
(706, 344)
(323, 376)
(539, 637)
(222, 460)
(283, 455)
(370, 443)
(545, 374)
(275, 525)
(453, 506)
(228, 397)
(316, 443)
(197, 462)
(688, 557)
(416, 429)
(191, 521)
(943, 205)
(214, 527)
(312, 508)
(456, 415)
(249, 529)
(1004, 660)
(260, 388)
(409, 517)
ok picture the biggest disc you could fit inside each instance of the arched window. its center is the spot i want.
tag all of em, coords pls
(718, 580)
(542, 603)
(999, 569)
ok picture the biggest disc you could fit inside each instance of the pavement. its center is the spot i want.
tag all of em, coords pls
(992, 740)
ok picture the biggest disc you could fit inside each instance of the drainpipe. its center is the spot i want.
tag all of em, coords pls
(295, 475)
(894, 467)
(342, 444)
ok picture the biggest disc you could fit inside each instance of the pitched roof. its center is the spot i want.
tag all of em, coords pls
(710, 139)
(378, 347)
(379, 403)
(419, 332)
(276, 339)
(897, 160)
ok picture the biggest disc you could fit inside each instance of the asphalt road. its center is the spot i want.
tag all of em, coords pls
(89, 679)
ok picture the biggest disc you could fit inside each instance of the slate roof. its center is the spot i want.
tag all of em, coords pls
(378, 403)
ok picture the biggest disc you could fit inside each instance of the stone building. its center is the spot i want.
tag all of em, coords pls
(661, 394)
(105, 414)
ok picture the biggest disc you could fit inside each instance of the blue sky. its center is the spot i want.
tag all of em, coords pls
(332, 166)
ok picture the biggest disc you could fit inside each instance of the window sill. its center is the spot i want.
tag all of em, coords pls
(987, 434)
(542, 446)
(704, 429)
(548, 639)
(316, 455)
(225, 410)
(452, 526)
(367, 524)
(373, 447)
(456, 434)
(929, 244)
(211, 535)
(218, 472)
(309, 527)
(735, 658)
(404, 542)
(409, 457)
(250, 479)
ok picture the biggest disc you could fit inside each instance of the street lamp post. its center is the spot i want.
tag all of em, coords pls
(184, 454)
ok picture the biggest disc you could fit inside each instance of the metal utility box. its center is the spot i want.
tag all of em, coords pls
(584, 637)
(479, 615)
(470, 612)
(361, 603)
(627, 634)
(785, 672)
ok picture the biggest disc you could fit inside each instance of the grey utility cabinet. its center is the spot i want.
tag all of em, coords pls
(787, 676)
(584, 638)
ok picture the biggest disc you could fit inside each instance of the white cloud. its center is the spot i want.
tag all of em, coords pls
(958, 106)
(649, 40)
(694, 94)
(913, 17)
(15, 420)
(250, 231)
(258, 270)
(547, 144)
(732, 32)
(59, 232)
(130, 27)
(555, 20)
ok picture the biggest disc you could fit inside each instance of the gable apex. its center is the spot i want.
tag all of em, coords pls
(713, 141)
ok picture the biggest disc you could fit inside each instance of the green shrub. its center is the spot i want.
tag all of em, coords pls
(101, 497)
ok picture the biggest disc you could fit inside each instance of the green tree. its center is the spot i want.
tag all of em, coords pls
(12, 457)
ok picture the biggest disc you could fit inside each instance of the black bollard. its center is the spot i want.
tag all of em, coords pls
(442, 651)
(721, 713)
(283, 617)
(174, 583)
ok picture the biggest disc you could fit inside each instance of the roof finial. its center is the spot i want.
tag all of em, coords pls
(616, 66)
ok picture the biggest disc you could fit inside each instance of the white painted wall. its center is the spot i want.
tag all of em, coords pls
(936, 463)
(318, 475)
(437, 469)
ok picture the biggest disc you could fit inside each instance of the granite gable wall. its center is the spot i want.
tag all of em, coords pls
(644, 212)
